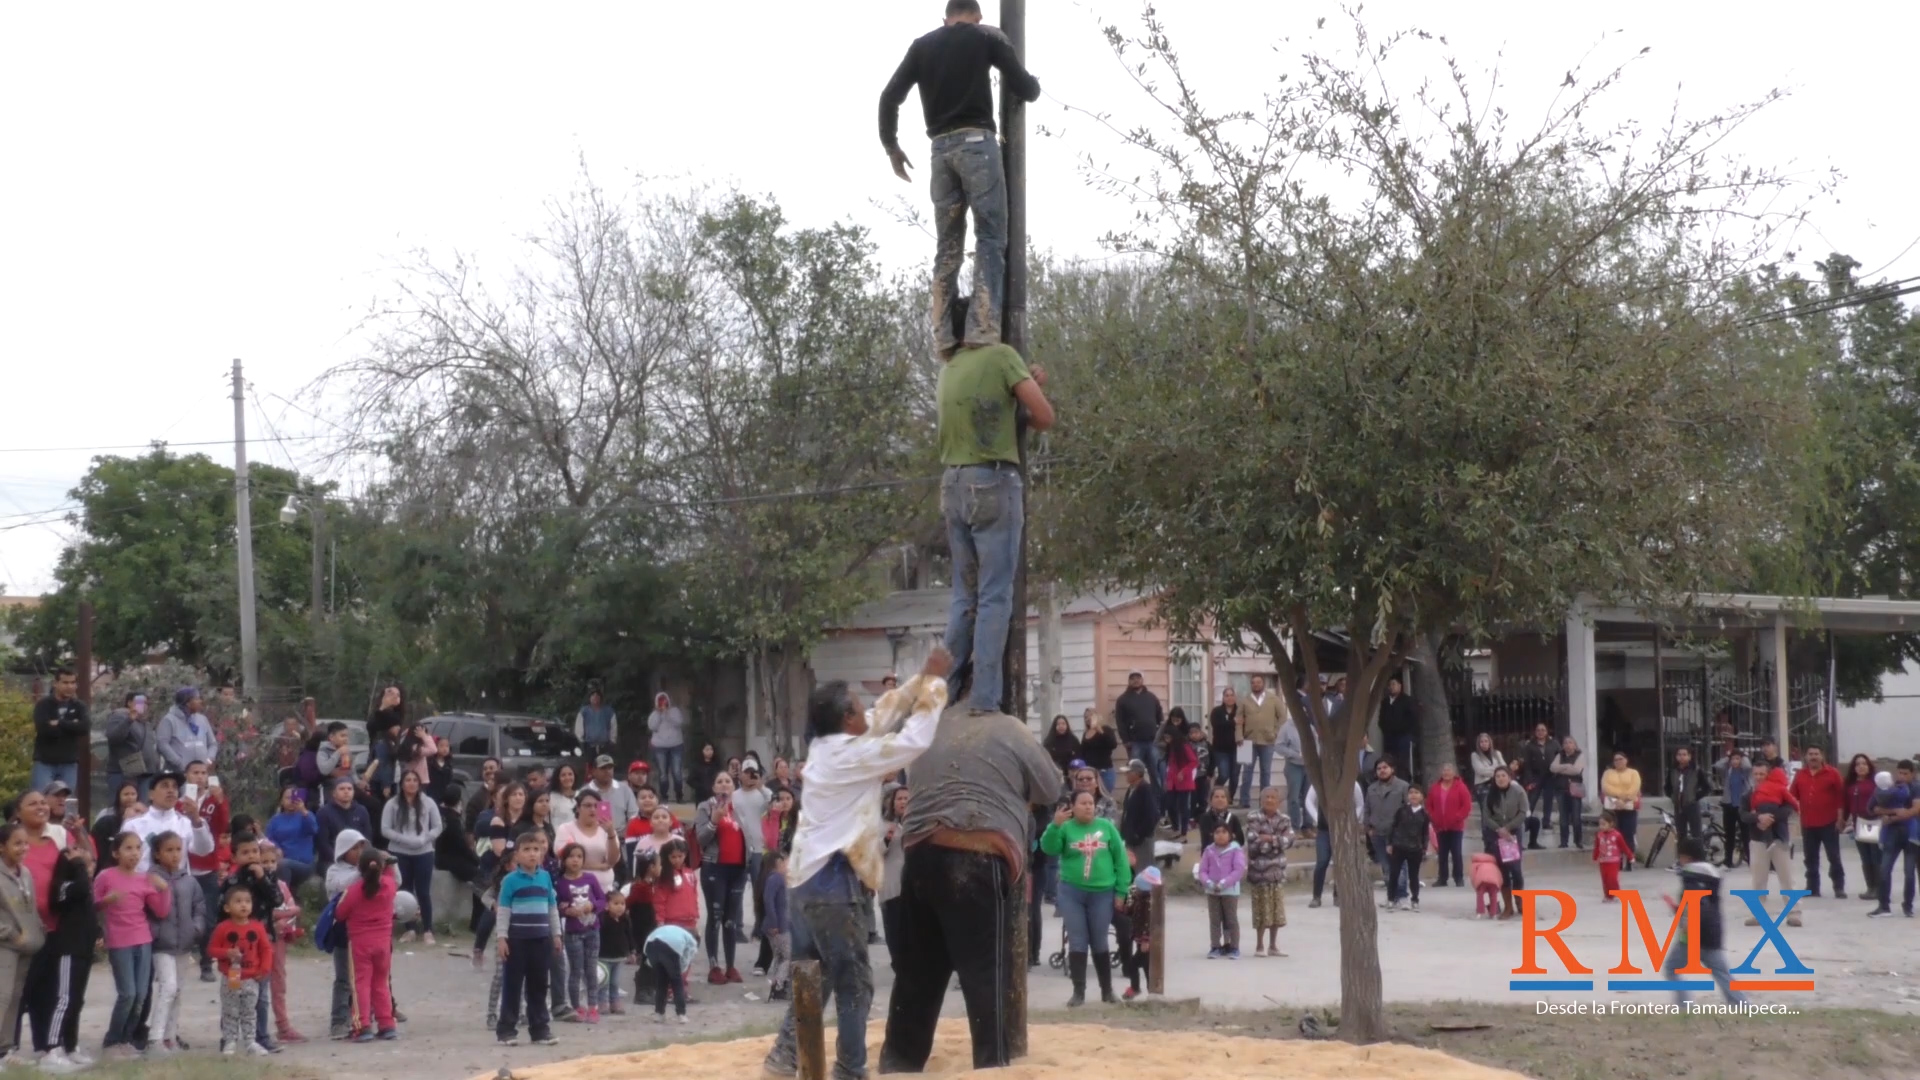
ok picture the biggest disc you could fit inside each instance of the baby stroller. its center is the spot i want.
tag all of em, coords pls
(1057, 960)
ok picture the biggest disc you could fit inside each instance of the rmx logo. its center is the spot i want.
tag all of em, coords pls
(1633, 918)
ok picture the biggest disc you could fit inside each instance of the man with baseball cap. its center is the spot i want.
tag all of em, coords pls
(619, 798)
(164, 816)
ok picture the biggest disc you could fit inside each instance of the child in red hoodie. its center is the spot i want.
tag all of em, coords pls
(1609, 848)
(367, 912)
(245, 955)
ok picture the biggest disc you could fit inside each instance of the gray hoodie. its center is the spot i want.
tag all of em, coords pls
(405, 835)
(1383, 801)
(187, 919)
(18, 917)
(667, 726)
(186, 739)
(127, 737)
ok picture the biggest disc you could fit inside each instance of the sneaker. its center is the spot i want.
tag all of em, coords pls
(409, 938)
(207, 975)
(1793, 919)
(82, 1058)
(389, 1035)
(782, 994)
(758, 972)
(256, 1050)
(427, 939)
(1839, 894)
(339, 1033)
(590, 1016)
(733, 975)
(292, 1036)
(56, 1061)
(571, 1017)
(1259, 952)
(680, 1019)
(1416, 907)
(1315, 902)
(1880, 913)
(564, 1012)
(365, 1035)
(398, 1016)
(507, 1040)
(1233, 954)
(227, 1050)
(548, 1041)
(1129, 994)
(716, 977)
(1213, 954)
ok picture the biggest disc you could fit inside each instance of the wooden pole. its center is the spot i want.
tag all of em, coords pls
(1157, 942)
(809, 1026)
(83, 668)
(1017, 989)
(1013, 331)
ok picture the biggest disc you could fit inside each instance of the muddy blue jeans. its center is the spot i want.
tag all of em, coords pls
(965, 173)
(833, 914)
(985, 510)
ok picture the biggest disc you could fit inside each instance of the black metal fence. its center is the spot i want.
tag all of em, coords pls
(1506, 709)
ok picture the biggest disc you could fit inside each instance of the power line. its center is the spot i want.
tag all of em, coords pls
(1839, 302)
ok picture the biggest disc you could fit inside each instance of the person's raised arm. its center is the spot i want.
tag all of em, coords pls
(1032, 393)
(882, 756)
(1014, 77)
(891, 99)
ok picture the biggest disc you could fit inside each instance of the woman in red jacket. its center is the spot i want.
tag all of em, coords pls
(1183, 772)
(1449, 804)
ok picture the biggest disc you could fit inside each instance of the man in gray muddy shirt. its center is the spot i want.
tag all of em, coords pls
(968, 830)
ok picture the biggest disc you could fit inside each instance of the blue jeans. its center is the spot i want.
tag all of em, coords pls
(1387, 869)
(132, 978)
(985, 511)
(1714, 960)
(1087, 915)
(1892, 847)
(666, 770)
(1296, 792)
(965, 172)
(1107, 778)
(833, 916)
(416, 876)
(44, 774)
(1263, 761)
(1149, 755)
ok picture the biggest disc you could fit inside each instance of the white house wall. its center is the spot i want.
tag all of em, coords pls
(1885, 728)
(1076, 670)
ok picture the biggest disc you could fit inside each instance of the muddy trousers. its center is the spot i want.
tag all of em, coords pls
(968, 899)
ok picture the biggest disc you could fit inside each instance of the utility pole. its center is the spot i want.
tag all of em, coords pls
(83, 666)
(1013, 331)
(318, 508)
(243, 534)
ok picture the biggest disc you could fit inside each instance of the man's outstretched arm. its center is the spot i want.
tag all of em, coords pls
(1014, 77)
(891, 99)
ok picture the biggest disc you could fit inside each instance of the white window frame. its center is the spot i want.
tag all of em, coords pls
(1178, 657)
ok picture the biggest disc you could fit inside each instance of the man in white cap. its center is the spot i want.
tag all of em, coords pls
(162, 816)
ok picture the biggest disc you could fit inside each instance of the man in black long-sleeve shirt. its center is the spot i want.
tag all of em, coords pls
(60, 729)
(951, 66)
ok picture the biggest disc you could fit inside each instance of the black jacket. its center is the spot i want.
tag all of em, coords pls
(1686, 786)
(60, 729)
(1704, 877)
(266, 895)
(1535, 762)
(1408, 834)
(1398, 720)
(1138, 715)
(1097, 749)
(1210, 817)
(1140, 816)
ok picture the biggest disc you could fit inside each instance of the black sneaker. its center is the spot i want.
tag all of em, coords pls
(547, 1040)
(508, 1040)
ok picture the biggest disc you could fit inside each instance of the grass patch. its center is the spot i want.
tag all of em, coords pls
(201, 1067)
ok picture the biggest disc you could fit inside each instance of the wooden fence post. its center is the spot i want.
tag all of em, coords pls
(809, 1027)
(1157, 942)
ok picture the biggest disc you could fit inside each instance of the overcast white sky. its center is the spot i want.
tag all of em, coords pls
(189, 183)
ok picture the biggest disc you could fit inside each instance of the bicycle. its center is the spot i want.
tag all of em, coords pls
(1710, 832)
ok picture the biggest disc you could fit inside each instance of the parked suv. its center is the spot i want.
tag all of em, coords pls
(520, 742)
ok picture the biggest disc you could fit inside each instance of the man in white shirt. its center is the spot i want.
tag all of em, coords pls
(837, 859)
(163, 816)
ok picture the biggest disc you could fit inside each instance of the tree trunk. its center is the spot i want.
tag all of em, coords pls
(1436, 713)
(1362, 1011)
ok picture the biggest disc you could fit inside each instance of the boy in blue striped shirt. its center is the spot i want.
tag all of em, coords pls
(528, 938)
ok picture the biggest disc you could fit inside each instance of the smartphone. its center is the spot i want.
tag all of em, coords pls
(190, 791)
(606, 814)
(213, 781)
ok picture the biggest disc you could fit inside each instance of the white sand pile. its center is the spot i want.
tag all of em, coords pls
(1063, 1051)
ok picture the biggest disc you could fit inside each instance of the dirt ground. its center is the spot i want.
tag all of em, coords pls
(1857, 1044)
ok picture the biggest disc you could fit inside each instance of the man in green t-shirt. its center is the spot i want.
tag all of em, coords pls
(981, 500)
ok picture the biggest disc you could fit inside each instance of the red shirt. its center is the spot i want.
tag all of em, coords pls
(250, 937)
(217, 816)
(1449, 805)
(1822, 795)
(676, 898)
(733, 842)
(1609, 846)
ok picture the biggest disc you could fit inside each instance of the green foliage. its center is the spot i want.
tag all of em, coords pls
(16, 740)
(158, 561)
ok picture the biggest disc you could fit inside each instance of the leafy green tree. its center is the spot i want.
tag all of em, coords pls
(1395, 367)
(156, 557)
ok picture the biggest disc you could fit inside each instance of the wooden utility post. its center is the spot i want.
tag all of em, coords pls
(1157, 942)
(1013, 331)
(83, 668)
(809, 1025)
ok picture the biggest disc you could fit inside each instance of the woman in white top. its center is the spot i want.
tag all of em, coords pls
(1485, 760)
(565, 789)
(593, 836)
